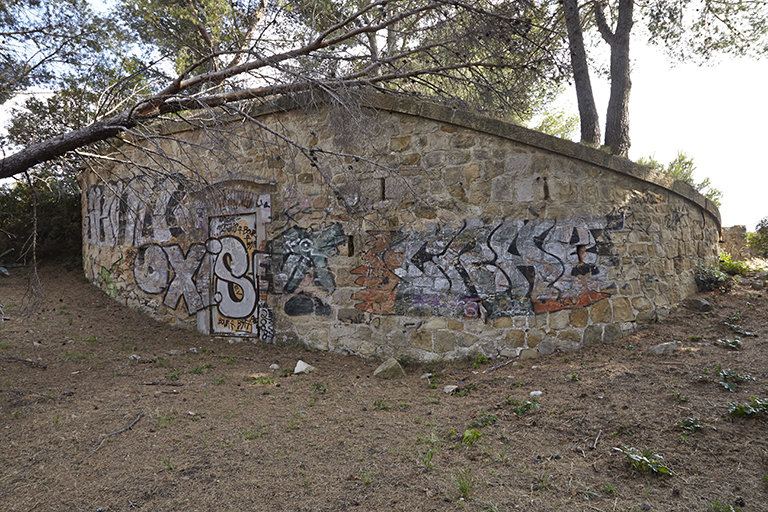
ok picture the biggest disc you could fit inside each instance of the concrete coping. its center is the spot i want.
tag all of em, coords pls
(483, 123)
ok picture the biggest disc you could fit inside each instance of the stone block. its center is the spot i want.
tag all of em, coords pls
(593, 335)
(367, 349)
(398, 144)
(435, 323)
(503, 322)
(515, 338)
(529, 353)
(600, 312)
(547, 346)
(502, 189)
(646, 317)
(421, 339)
(445, 341)
(533, 337)
(642, 304)
(559, 320)
(579, 317)
(389, 369)
(455, 325)
(611, 333)
(622, 310)
(480, 192)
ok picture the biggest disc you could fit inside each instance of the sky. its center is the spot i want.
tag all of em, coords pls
(717, 115)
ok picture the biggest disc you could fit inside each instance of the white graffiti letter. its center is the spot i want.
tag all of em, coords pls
(185, 269)
(151, 269)
(235, 293)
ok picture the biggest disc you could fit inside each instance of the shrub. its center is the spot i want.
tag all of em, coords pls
(711, 278)
(59, 231)
(758, 241)
(734, 268)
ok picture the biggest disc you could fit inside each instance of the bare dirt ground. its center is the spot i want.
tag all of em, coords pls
(215, 429)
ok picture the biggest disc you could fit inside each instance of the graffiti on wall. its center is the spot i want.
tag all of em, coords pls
(152, 214)
(144, 209)
(137, 210)
(299, 258)
(234, 280)
(486, 271)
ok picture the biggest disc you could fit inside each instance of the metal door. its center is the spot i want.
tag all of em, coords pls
(232, 245)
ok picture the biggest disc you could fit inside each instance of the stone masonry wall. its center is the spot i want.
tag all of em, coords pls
(403, 229)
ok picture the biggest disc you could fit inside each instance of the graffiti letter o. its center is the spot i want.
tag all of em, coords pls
(151, 269)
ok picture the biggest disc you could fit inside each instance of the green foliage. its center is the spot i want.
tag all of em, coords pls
(758, 241)
(717, 506)
(251, 434)
(426, 459)
(259, 381)
(366, 475)
(479, 360)
(557, 124)
(522, 408)
(682, 168)
(46, 43)
(729, 379)
(470, 437)
(711, 279)
(59, 219)
(484, 420)
(646, 460)
(199, 370)
(690, 424)
(731, 267)
(755, 407)
(381, 405)
(464, 482)
(168, 464)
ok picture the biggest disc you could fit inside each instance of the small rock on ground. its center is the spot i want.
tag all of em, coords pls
(389, 369)
(701, 305)
(664, 348)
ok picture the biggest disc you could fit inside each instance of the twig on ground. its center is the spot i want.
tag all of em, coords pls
(109, 435)
(497, 366)
(30, 362)
(236, 357)
(47, 396)
(594, 445)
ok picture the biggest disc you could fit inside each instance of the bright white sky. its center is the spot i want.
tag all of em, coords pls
(717, 115)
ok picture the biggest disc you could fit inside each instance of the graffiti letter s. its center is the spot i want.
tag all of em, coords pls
(235, 293)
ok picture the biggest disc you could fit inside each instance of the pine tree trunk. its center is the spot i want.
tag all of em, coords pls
(590, 123)
(617, 117)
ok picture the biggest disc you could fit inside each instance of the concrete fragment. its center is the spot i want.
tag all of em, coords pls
(302, 367)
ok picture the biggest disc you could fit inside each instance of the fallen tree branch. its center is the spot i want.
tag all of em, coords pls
(109, 435)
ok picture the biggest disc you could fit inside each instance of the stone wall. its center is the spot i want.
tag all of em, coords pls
(398, 228)
(733, 241)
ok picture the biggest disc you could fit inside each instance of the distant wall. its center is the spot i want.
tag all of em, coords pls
(402, 229)
(733, 241)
